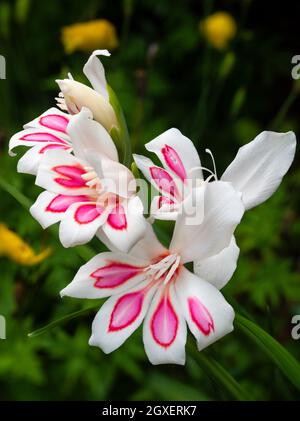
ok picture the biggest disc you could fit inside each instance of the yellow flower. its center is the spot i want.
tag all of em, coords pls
(89, 36)
(13, 247)
(219, 29)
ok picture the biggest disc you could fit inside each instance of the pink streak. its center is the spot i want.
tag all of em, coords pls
(126, 311)
(114, 274)
(87, 213)
(174, 162)
(61, 202)
(164, 323)
(163, 180)
(201, 316)
(73, 176)
(55, 122)
(42, 137)
(117, 218)
(53, 146)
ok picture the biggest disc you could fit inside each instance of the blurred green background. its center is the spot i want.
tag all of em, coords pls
(166, 74)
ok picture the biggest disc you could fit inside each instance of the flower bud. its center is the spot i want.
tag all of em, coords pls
(77, 95)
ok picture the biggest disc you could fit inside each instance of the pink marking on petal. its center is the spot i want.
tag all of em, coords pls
(114, 274)
(87, 213)
(54, 122)
(164, 323)
(201, 316)
(42, 137)
(117, 218)
(163, 180)
(72, 176)
(163, 200)
(61, 202)
(53, 146)
(173, 161)
(126, 311)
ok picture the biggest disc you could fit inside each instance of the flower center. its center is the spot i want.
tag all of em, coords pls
(91, 179)
(165, 268)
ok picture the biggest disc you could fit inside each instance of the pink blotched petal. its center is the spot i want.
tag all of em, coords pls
(56, 122)
(200, 315)
(60, 203)
(164, 323)
(114, 274)
(126, 310)
(43, 137)
(107, 274)
(164, 330)
(117, 218)
(174, 162)
(87, 213)
(207, 313)
(72, 176)
(120, 316)
(163, 181)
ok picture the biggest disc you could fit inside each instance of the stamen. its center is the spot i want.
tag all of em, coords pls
(167, 266)
(172, 270)
(213, 161)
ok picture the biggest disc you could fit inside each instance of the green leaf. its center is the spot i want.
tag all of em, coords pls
(61, 321)
(219, 375)
(15, 193)
(275, 351)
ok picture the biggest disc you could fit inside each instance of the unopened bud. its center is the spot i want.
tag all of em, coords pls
(77, 95)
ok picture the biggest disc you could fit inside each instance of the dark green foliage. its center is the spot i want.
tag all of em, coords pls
(165, 76)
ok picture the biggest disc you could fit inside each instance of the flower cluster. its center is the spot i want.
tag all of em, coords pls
(91, 193)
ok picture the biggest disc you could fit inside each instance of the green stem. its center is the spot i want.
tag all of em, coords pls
(61, 321)
(15, 193)
(273, 349)
(278, 119)
(219, 375)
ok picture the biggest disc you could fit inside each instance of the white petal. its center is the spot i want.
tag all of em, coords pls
(37, 137)
(199, 235)
(80, 223)
(148, 247)
(41, 212)
(57, 182)
(87, 134)
(30, 161)
(164, 329)
(164, 208)
(177, 154)
(94, 71)
(52, 119)
(218, 269)
(115, 177)
(120, 316)
(259, 166)
(106, 274)
(164, 181)
(207, 313)
(126, 224)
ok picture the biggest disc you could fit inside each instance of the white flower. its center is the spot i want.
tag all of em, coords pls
(256, 173)
(89, 192)
(150, 283)
(75, 95)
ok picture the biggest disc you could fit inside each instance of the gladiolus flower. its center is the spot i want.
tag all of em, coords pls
(219, 29)
(13, 247)
(256, 172)
(89, 192)
(89, 36)
(150, 283)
